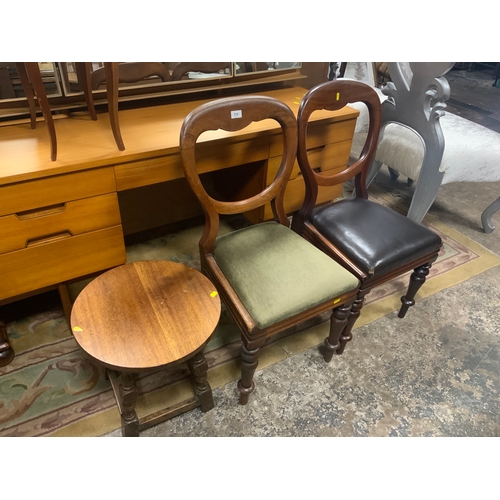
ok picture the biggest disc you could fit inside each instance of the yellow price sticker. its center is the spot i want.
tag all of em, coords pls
(77, 329)
(214, 294)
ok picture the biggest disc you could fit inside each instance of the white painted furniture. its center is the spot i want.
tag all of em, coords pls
(421, 141)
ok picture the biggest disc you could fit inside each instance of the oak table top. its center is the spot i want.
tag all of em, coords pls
(145, 315)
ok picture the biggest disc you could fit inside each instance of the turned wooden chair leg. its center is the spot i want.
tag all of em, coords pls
(249, 362)
(357, 305)
(417, 279)
(35, 77)
(198, 367)
(338, 322)
(111, 71)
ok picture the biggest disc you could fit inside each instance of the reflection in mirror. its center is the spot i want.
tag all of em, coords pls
(258, 67)
(142, 74)
(12, 86)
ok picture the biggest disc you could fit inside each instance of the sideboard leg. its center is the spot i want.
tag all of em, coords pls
(6, 351)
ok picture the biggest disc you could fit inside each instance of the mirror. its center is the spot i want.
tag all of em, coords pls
(142, 74)
(244, 68)
(12, 87)
(64, 81)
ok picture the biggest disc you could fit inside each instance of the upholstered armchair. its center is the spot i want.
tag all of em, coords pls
(427, 145)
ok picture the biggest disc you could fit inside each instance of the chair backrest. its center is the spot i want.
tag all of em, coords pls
(332, 96)
(233, 114)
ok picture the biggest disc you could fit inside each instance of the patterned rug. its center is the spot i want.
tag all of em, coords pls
(53, 388)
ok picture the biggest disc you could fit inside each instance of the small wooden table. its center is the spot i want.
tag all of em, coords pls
(147, 315)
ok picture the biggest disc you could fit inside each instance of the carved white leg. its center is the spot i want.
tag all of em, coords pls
(488, 226)
(372, 173)
(425, 193)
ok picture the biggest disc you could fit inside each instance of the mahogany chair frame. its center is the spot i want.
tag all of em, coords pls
(333, 96)
(217, 115)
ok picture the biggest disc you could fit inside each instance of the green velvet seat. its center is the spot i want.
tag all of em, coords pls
(270, 279)
(278, 274)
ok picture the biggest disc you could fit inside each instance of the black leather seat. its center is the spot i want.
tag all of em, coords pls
(372, 241)
(377, 238)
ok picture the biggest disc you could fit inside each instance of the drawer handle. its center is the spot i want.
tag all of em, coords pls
(41, 212)
(48, 239)
(317, 149)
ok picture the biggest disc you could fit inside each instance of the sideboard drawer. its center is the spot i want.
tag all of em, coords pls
(66, 219)
(296, 190)
(59, 260)
(29, 195)
(223, 153)
(319, 134)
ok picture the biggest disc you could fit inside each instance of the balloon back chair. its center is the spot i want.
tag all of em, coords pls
(269, 277)
(372, 241)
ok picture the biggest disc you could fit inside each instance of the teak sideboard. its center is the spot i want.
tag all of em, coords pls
(66, 219)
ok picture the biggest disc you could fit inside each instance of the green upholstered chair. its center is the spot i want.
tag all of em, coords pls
(269, 277)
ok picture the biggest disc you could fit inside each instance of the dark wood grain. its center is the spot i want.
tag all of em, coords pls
(145, 315)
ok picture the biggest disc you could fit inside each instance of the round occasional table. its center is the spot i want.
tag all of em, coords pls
(148, 315)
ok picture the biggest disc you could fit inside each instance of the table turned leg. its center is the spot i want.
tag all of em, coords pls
(6, 351)
(198, 367)
(126, 396)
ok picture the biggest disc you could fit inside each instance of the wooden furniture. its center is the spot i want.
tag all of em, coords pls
(372, 241)
(148, 315)
(58, 228)
(31, 79)
(110, 74)
(65, 219)
(113, 73)
(269, 277)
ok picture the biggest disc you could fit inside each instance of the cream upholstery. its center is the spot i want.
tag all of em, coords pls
(471, 154)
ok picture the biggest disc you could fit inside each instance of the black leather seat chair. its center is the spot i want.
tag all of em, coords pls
(372, 241)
